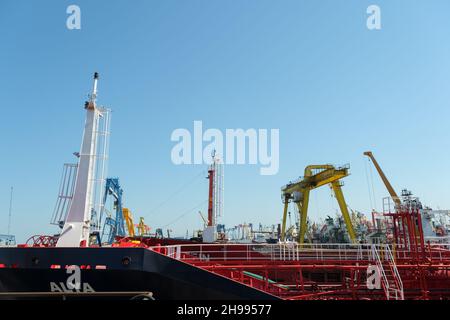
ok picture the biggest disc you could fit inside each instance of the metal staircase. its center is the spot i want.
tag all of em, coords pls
(395, 282)
(390, 278)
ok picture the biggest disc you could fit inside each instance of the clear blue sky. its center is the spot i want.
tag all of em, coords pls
(309, 68)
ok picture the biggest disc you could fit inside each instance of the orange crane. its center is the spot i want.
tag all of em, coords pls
(386, 182)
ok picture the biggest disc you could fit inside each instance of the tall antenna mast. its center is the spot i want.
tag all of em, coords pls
(10, 211)
(215, 198)
(217, 166)
(93, 96)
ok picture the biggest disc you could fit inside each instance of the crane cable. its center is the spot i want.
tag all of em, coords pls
(185, 213)
(178, 191)
(373, 188)
(370, 185)
(10, 211)
(332, 203)
(317, 206)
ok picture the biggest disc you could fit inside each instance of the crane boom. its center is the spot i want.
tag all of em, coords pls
(383, 177)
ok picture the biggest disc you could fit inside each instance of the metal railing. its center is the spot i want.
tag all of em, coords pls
(275, 252)
(443, 240)
(381, 273)
(397, 285)
(293, 251)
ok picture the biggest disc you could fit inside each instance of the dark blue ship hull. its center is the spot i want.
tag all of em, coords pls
(113, 270)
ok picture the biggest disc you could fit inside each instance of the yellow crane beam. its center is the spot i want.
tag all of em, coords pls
(298, 192)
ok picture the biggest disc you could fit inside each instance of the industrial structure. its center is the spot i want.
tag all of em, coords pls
(298, 192)
(215, 198)
(89, 179)
(114, 222)
(115, 260)
(383, 177)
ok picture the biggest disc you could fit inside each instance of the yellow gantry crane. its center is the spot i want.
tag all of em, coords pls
(142, 228)
(128, 217)
(298, 192)
(386, 182)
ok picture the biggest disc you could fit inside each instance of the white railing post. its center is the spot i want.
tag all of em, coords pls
(178, 254)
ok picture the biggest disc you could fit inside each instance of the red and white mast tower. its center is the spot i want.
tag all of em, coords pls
(215, 198)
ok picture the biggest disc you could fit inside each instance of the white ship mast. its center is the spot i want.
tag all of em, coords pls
(76, 230)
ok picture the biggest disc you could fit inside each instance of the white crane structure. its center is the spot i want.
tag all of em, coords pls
(85, 204)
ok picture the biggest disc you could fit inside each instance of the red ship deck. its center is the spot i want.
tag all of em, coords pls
(325, 271)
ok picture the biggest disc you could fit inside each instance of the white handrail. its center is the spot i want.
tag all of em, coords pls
(319, 252)
(398, 280)
(288, 251)
(379, 264)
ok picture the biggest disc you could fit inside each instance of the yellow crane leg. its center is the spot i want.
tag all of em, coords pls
(283, 225)
(343, 206)
(303, 210)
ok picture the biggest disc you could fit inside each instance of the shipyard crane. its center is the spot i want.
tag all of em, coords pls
(383, 177)
(114, 226)
(298, 192)
(142, 228)
(128, 217)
